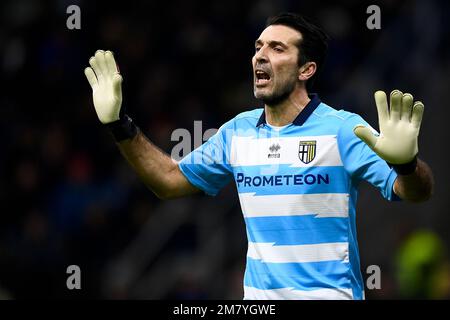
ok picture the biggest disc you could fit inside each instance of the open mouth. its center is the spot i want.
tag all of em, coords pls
(261, 77)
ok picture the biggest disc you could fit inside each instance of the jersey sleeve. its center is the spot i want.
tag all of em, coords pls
(208, 167)
(361, 162)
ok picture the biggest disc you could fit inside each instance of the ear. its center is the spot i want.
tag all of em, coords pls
(307, 70)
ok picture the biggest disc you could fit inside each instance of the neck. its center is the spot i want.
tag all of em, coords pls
(286, 111)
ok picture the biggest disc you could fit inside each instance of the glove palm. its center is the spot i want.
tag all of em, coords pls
(105, 80)
(399, 128)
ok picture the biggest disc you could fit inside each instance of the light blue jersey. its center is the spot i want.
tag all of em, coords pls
(298, 189)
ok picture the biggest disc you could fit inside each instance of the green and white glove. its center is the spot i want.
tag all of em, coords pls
(105, 80)
(399, 128)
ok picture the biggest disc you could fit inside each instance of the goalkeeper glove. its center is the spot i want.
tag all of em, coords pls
(105, 80)
(399, 130)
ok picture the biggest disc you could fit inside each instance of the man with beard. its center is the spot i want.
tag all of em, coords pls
(297, 164)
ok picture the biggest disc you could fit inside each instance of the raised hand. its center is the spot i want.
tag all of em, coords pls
(399, 127)
(105, 80)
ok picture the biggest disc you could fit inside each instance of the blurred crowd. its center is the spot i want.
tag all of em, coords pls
(68, 197)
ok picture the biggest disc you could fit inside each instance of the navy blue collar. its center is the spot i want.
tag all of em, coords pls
(302, 116)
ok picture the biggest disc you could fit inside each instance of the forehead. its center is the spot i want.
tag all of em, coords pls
(280, 33)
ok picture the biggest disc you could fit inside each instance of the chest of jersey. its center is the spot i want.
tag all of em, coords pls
(295, 151)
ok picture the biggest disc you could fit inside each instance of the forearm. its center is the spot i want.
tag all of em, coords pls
(156, 169)
(415, 187)
(152, 165)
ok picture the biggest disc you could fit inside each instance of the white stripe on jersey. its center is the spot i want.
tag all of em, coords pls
(251, 293)
(250, 151)
(323, 205)
(269, 253)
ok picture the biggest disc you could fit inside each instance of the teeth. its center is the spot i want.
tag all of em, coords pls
(262, 75)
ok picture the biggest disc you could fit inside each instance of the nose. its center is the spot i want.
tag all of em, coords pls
(260, 55)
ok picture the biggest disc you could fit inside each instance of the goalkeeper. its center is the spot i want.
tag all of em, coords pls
(301, 217)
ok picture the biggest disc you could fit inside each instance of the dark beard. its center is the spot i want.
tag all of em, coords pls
(278, 97)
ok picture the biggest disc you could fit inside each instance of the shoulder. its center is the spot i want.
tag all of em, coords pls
(243, 120)
(341, 119)
(249, 116)
(339, 122)
(327, 112)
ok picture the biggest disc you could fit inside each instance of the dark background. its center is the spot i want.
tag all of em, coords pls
(67, 197)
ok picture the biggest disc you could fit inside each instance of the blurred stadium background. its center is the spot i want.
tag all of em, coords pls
(68, 197)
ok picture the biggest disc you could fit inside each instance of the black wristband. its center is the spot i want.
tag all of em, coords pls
(406, 168)
(123, 129)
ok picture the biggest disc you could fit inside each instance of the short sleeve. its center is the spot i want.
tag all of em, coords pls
(361, 162)
(207, 167)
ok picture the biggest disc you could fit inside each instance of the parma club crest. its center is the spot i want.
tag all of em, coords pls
(307, 151)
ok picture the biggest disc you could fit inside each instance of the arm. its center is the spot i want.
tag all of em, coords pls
(397, 144)
(417, 186)
(158, 171)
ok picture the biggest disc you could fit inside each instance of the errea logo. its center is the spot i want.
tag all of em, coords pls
(273, 151)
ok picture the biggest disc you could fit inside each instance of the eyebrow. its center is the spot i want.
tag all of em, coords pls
(272, 43)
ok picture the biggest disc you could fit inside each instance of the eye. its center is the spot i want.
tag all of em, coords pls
(278, 49)
(257, 49)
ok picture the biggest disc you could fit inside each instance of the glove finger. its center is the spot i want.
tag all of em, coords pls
(100, 58)
(396, 103)
(417, 114)
(117, 82)
(366, 135)
(94, 64)
(90, 75)
(382, 107)
(407, 103)
(110, 62)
